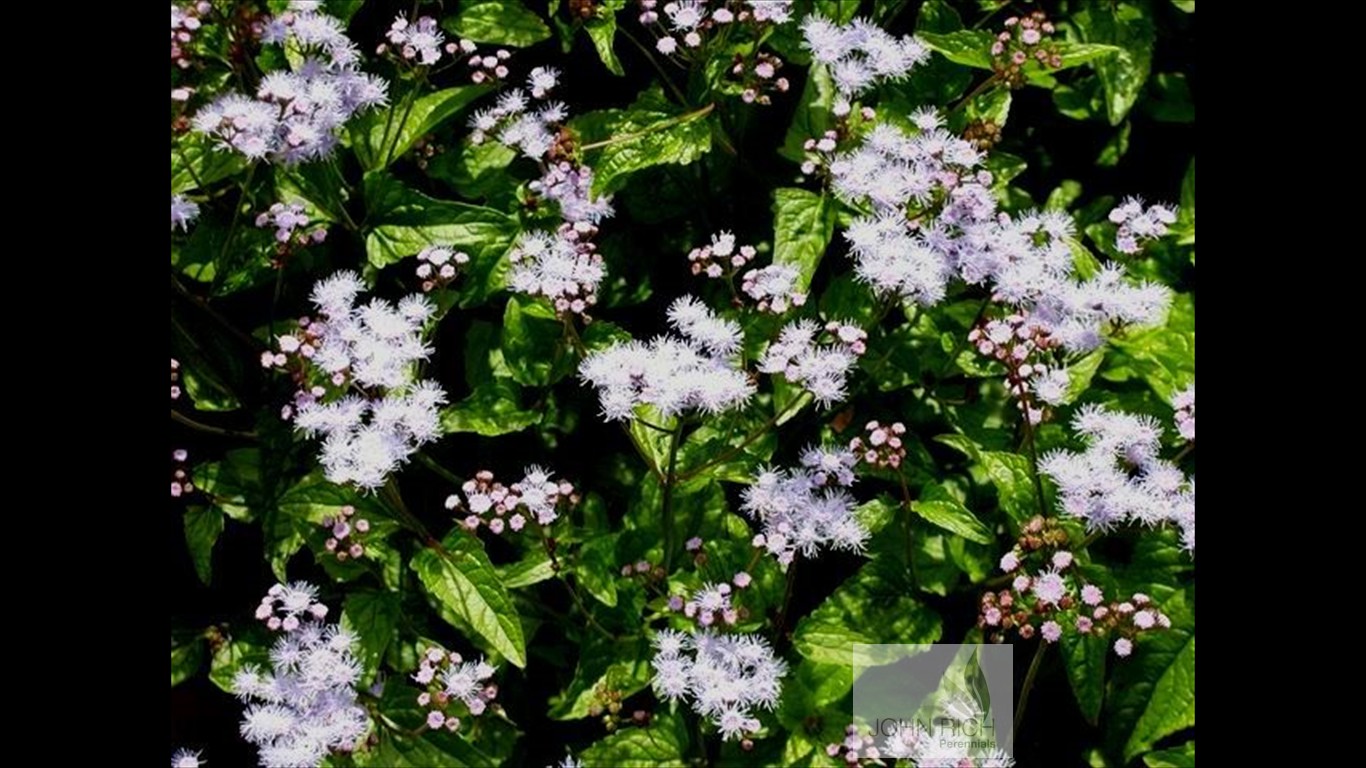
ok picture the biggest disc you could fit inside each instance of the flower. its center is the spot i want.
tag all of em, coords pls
(305, 706)
(183, 212)
(721, 676)
(184, 758)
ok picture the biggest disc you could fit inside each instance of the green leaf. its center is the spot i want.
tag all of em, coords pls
(971, 47)
(375, 149)
(868, 608)
(803, 223)
(1152, 693)
(1011, 473)
(597, 568)
(1172, 706)
(464, 581)
(1127, 30)
(195, 160)
(493, 408)
(937, 17)
(1115, 149)
(533, 343)
(186, 659)
(618, 664)
(207, 391)
(948, 513)
(500, 22)
(1084, 658)
(373, 616)
(402, 221)
(1076, 54)
(619, 142)
(533, 568)
(812, 117)
(1182, 756)
(1080, 374)
(202, 527)
(1185, 217)
(661, 744)
(602, 30)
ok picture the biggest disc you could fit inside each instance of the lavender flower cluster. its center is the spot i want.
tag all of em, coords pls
(723, 677)
(860, 54)
(295, 115)
(1119, 477)
(818, 359)
(372, 348)
(935, 218)
(807, 508)
(450, 679)
(674, 375)
(305, 707)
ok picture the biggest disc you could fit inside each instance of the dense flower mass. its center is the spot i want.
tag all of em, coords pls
(1120, 478)
(354, 366)
(817, 359)
(860, 54)
(295, 115)
(723, 677)
(925, 375)
(935, 219)
(672, 374)
(304, 707)
(806, 509)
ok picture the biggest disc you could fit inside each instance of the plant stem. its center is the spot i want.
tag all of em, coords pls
(1034, 458)
(219, 269)
(985, 85)
(409, 100)
(203, 304)
(181, 418)
(670, 480)
(1190, 447)
(682, 99)
(433, 465)
(796, 403)
(1028, 686)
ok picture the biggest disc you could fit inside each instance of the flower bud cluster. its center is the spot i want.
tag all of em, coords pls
(452, 681)
(437, 266)
(345, 534)
(1023, 40)
(881, 446)
(537, 496)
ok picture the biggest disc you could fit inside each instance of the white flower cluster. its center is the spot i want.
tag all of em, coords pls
(818, 362)
(934, 217)
(563, 266)
(305, 707)
(295, 115)
(418, 41)
(1119, 478)
(860, 54)
(511, 121)
(723, 677)
(672, 374)
(1137, 226)
(774, 287)
(803, 510)
(375, 347)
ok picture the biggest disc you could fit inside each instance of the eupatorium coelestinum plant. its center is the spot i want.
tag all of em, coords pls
(785, 325)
